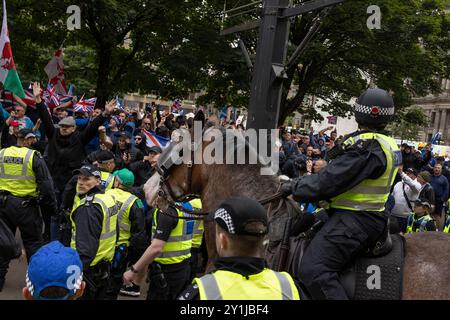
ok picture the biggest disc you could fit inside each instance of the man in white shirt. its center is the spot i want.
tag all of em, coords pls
(405, 192)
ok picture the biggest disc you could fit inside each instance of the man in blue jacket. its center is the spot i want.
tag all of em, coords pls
(440, 187)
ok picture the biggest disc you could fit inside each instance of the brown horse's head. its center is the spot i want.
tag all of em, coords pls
(179, 170)
(209, 164)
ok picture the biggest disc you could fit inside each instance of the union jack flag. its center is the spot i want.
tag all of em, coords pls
(154, 140)
(119, 104)
(51, 98)
(85, 105)
(176, 106)
(8, 100)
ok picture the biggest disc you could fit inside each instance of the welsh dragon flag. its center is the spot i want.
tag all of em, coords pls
(8, 73)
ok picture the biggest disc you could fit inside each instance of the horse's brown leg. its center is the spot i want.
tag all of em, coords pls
(210, 238)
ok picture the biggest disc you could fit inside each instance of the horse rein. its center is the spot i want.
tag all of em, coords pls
(165, 192)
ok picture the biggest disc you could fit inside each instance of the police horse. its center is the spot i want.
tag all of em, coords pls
(415, 267)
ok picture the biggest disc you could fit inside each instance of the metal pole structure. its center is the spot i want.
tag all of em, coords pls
(248, 61)
(241, 7)
(268, 71)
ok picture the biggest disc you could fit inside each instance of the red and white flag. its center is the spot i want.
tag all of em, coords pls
(55, 71)
(9, 100)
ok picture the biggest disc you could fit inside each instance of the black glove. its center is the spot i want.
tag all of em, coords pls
(286, 189)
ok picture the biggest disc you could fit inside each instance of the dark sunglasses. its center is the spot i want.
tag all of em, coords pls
(137, 138)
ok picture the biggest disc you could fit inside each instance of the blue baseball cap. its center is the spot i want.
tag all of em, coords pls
(54, 265)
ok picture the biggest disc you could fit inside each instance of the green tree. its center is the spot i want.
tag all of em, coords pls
(174, 48)
(407, 55)
(409, 122)
(158, 46)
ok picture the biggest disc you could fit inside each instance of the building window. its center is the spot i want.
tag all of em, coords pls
(302, 122)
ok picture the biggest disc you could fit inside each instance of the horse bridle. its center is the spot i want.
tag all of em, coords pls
(165, 191)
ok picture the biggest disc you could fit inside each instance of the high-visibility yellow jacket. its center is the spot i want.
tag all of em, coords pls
(108, 236)
(16, 172)
(266, 285)
(371, 194)
(178, 246)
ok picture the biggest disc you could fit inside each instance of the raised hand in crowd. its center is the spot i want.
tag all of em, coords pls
(37, 125)
(309, 166)
(37, 91)
(126, 157)
(110, 106)
(12, 114)
(105, 141)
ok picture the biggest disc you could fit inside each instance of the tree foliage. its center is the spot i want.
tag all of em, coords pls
(407, 55)
(174, 48)
(164, 47)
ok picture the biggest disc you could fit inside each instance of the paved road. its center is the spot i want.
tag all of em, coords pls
(15, 281)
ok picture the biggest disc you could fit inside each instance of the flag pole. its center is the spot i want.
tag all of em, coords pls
(61, 46)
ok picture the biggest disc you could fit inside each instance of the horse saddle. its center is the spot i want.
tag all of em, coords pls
(374, 275)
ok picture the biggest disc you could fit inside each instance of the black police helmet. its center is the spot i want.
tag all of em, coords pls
(374, 108)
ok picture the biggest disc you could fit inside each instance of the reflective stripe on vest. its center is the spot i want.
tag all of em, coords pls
(266, 285)
(126, 206)
(124, 201)
(16, 172)
(422, 222)
(198, 225)
(371, 194)
(197, 237)
(178, 246)
(107, 180)
(447, 226)
(108, 235)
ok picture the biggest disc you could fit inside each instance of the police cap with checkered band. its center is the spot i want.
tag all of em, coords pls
(374, 108)
(242, 216)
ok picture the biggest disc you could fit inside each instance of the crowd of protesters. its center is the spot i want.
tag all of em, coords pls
(302, 153)
(107, 140)
(112, 139)
(422, 181)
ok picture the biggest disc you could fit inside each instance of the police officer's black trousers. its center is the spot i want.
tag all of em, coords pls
(118, 267)
(345, 235)
(195, 253)
(29, 221)
(96, 279)
(96, 290)
(177, 280)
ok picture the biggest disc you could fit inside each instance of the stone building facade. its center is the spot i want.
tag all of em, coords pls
(437, 109)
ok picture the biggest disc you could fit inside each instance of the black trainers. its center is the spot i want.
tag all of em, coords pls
(131, 290)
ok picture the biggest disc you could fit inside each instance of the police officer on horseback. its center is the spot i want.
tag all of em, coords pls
(356, 183)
